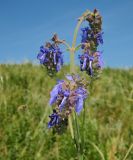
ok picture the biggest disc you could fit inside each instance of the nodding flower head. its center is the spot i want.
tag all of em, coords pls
(51, 56)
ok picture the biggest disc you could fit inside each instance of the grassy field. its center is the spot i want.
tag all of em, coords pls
(24, 110)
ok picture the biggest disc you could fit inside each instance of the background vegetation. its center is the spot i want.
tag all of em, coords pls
(24, 110)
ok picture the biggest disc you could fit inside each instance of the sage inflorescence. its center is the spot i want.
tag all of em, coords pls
(91, 59)
(50, 56)
(68, 96)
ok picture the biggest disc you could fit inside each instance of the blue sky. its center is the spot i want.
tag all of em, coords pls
(27, 24)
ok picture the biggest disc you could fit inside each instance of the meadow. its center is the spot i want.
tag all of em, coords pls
(24, 111)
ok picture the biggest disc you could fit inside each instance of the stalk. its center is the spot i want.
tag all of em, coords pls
(83, 127)
(129, 150)
(72, 49)
(75, 133)
(77, 136)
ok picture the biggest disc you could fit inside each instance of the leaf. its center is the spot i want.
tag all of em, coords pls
(68, 49)
(78, 47)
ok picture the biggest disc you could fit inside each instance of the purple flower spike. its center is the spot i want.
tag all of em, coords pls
(51, 56)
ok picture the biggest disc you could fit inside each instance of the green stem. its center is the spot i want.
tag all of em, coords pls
(76, 31)
(98, 150)
(75, 133)
(130, 148)
(83, 127)
(71, 127)
(72, 50)
(77, 136)
(72, 131)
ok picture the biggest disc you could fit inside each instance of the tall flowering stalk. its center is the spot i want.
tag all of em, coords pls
(68, 96)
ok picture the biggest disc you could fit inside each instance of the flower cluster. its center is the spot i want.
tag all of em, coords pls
(91, 59)
(67, 95)
(50, 56)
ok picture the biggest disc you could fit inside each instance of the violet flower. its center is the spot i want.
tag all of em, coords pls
(84, 34)
(99, 59)
(81, 95)
(54, 119)
(99, 38)
(69, 97)
(51, 57)
(42, 54)
(86, 63)
(54, 93)
(64, 100)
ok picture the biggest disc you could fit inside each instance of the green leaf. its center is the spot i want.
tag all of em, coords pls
(78, 47)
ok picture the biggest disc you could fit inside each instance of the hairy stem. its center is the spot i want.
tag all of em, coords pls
(83, 128)
(75, 133)
(72, 50)
(71, 127)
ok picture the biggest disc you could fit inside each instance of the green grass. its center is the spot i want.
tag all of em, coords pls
(24, 110)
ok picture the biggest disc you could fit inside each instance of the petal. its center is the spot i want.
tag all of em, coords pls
(54, 94)
(79, 105)
(54, 57)
(82, 92)
(49, 125)
(58, 67)
(84, 63)
(69, 77)
(41, 56)
(52, 100)
(62, 103)
(90, 68)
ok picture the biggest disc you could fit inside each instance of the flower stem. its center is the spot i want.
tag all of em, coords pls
(72, 50)
(71, 127)
(83, 127)
(75, 133)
